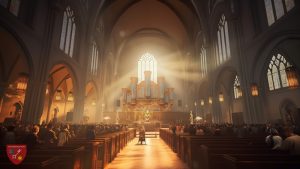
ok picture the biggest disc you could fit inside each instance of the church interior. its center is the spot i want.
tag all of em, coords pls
(149, 84)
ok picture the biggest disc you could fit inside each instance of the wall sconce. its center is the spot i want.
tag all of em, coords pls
(195, 103)
(291, 74)
(221, 97)
(209, 100)
(58, 96)
(202, 102)
(70, 96)
(254, 89)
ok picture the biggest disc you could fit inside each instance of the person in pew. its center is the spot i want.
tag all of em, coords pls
(43, 131)
(274, 139)
(217, 131)
(32, 139)
(192, 130)
(292, 142)
(173, 128)
(199, 131)
(91, 133)
(63, 136)
(9, 136)
(242, 131)
(2, 133)
(50, 135)
(186, 129)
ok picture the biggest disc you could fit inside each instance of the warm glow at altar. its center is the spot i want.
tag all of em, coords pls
(147, 63)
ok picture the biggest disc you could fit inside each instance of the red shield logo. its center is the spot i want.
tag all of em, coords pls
(16, 153)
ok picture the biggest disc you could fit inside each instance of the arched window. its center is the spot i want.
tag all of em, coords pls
(68, 31)
(94, 59)
(276, 73)
(203, 62)
(222, 45)
(237, 88)
(275, 9)
(147, 63)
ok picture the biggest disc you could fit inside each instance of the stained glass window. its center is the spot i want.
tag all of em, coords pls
(147, 63)
(275, 9)
(237, 88)
(276, 73)
(289, 4)
(67, 37)
(203, 62)
(94, 59)
(223, 46)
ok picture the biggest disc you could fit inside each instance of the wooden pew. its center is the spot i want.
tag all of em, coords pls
(210, 157)
(33, 162)
(93, 152)
(257, 161)
(190, 144)
(72, 156)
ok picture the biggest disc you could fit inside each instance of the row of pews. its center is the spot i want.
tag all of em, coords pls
(79, 153)
(227, 152)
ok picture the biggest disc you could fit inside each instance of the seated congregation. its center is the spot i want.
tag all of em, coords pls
(228, 146)
(217, 80)
(64, 146)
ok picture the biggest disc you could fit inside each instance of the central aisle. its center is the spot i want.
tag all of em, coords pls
(155, 155)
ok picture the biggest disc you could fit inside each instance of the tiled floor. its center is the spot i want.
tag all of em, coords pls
(155, 155)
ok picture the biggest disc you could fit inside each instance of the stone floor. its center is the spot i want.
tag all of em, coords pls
(154, 155)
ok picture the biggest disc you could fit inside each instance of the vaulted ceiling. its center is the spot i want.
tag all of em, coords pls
(123, 19)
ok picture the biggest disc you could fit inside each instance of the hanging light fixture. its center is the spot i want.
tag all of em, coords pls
(291, 74)
(221, 97)
(202, 102)
(70, 96)
(209, 100)
(254, 89)
(58, 95)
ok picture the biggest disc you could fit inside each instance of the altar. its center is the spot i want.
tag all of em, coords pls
(147, 100)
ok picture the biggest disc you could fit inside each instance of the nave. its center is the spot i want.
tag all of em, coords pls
(78, 78)
(155, 154)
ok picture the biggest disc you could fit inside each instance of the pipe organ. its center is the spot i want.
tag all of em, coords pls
(147, 96)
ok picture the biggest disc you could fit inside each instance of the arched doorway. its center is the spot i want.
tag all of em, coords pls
(59, 100)
(90, 114)
(14, 76)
